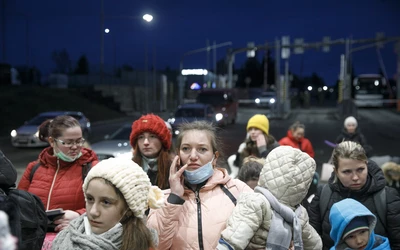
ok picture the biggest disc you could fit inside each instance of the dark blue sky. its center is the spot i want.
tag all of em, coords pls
(180, 26)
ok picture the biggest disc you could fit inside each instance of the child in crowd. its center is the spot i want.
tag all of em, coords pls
(249, 173)
(353, 227)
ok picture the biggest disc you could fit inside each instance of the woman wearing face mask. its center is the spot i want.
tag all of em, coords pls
(201, 195)
(117, 193)
(59, 175)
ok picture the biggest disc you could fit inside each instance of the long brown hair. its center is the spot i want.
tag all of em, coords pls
(163, 165)
(251, 146)
(135, 233)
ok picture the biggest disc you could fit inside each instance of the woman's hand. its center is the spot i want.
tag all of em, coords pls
(176, 177)
(261, 140)
(64, 221)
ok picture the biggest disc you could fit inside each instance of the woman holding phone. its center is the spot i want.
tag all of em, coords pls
(201, 195)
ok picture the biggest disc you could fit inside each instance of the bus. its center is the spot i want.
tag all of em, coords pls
(370, 90)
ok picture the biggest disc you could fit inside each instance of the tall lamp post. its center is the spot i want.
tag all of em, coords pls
(146, 17)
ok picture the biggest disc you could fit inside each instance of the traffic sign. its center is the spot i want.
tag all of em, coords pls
(251, 52)
(285, 51)
(299, 49)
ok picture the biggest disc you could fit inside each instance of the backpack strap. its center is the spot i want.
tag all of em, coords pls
(33, 170)
(85, 170)
(324, 198)
(380, 205)
(228, 193)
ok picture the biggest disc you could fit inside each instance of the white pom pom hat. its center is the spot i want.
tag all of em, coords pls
(130, 179)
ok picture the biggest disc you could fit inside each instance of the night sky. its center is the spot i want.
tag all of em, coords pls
(180, 26)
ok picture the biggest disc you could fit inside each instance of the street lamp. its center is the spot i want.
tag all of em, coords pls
(114, 51)
(148, 18)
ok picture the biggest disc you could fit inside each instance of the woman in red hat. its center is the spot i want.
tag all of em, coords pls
(151, 142)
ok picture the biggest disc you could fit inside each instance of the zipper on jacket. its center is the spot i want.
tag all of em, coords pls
(199, 221)
(52, 185)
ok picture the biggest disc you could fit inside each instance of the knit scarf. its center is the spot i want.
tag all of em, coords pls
(74, 238)
(283, 218)
(149, 163)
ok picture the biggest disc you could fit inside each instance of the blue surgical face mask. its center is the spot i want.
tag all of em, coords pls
(201, 174)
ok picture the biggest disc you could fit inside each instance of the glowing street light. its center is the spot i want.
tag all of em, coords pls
(147, 17)
(107, 31)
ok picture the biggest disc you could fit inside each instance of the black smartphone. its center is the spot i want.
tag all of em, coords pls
(54, 214)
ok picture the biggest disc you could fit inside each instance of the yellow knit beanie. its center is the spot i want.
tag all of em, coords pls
(259, 121)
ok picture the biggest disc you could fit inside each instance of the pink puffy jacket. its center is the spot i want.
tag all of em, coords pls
(178, 225)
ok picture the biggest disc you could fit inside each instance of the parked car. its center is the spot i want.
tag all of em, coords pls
(28, 134)
(266, 99)
(190, 112)
(115, 145)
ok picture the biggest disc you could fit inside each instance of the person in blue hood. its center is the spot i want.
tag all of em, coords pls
(353, 227)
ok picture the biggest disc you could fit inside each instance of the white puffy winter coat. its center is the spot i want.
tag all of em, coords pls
(287, 174)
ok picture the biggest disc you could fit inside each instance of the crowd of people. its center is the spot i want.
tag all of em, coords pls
(179, 196)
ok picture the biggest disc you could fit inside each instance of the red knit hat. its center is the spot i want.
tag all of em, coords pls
(152, 124)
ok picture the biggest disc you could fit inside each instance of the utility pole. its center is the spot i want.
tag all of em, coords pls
(231, 59)
(146, 81)
(398, 75)
(27, 42)
(215, 63)
(4, 30)
(265, 87)
(347, 76)
(278, 77)
(101, 41)
(208, 54)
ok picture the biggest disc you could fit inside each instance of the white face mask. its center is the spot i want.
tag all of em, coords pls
(201, 174)
(88, 229)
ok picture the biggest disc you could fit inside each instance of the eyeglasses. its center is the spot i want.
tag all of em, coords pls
(78, 143)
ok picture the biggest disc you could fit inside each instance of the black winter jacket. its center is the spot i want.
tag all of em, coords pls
(357, 136)
(375, 182)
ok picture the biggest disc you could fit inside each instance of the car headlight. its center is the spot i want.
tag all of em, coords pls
(218, 117)
(257, 100)
(14, 133)
(36, 134)
(272, 100)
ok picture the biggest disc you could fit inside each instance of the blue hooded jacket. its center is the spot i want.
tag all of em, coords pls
(345, 211)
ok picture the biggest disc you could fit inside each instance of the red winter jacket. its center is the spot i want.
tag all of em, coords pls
(304, 144)
(58, 187)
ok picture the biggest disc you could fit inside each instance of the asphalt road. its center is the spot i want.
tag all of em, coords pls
(381, 128)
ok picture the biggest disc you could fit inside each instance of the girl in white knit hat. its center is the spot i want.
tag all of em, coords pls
(117, 193)
(351, 132)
